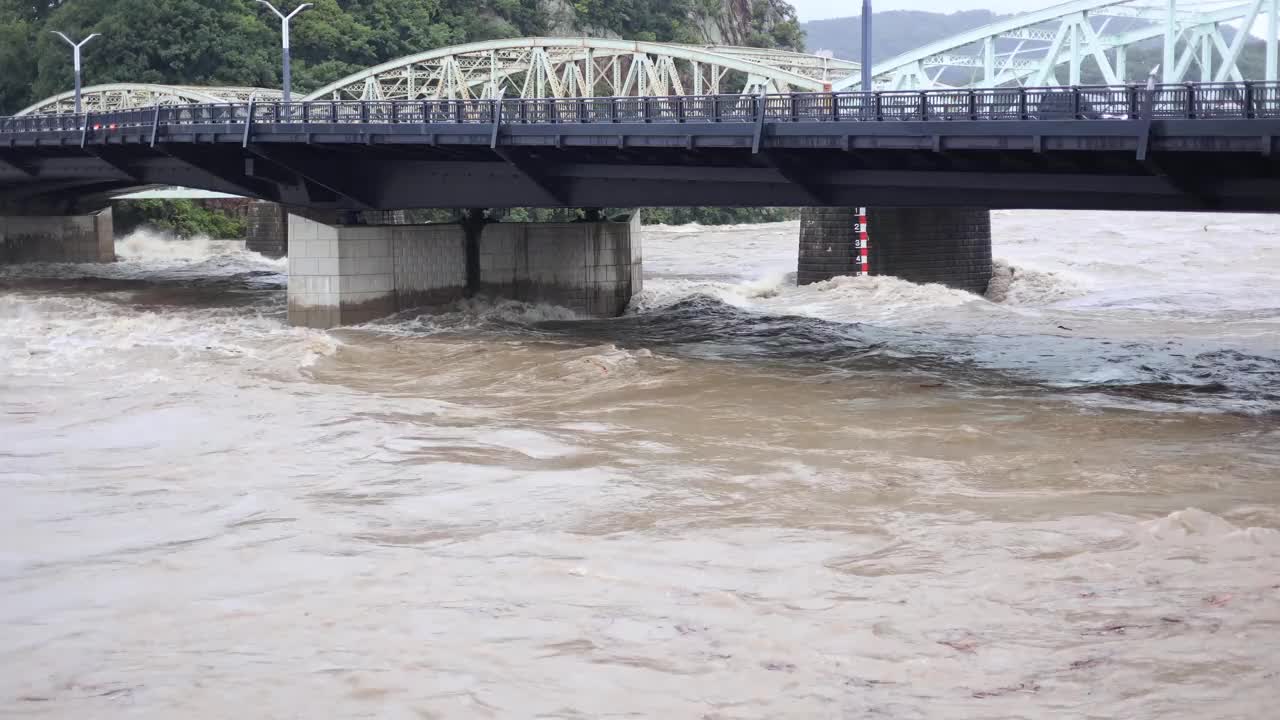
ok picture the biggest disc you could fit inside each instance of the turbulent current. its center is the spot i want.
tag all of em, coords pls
(857, 499)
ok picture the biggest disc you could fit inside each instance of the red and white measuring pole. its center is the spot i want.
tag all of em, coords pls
(864, 243)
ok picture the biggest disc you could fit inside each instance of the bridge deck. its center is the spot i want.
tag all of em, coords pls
(1180, 147)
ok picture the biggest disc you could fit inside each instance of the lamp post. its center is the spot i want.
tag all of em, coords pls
(75, 47)
(284, 36)
(866, 46)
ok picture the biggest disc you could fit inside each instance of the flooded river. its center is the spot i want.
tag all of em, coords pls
(858, 499)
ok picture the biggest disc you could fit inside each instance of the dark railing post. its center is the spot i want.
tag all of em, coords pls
(1075, 103)
(457, 111)
(973, 104)
(1022, 103)
(1248, 100)
(1191, 101)
(835, 106)
(364, 112)
(924, 105)
(613, 110)
(645, 109)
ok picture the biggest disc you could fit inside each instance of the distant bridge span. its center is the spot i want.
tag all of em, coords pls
(587, 67)
(1030, 49)
(126, 96)
(516, 68)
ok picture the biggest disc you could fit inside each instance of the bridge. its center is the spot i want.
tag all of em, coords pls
(597, 123)
(1200, 40)
(1182, 147)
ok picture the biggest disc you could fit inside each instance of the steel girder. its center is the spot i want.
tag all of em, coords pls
(587, 67)
(1030, 49)
(125, 96)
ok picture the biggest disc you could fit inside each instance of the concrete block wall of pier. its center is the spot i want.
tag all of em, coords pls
(57, 238)
(950, 246)
(351, 274)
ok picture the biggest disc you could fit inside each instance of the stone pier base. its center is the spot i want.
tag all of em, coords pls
(267, 229)
(950, 246)
(350, 274)
(57, 239)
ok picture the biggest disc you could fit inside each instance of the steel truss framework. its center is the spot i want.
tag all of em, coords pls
(1031, 49)
(125, 96)
(587, 67)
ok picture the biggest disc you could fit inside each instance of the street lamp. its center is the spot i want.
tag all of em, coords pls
(284, 35)
(866, 46)
(76, 55)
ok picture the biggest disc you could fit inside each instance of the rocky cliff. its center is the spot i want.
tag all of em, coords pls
(763, 23)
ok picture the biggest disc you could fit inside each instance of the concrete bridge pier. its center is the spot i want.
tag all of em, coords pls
(347, 274)
(57, 238)
(950, 246)
(267, 228)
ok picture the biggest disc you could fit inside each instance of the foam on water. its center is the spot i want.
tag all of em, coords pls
(1125, 307)
(163, 301)
(471, 314)
(1121, 302)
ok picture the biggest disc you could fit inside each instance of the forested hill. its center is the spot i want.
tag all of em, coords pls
(896, 32)
(236, 42)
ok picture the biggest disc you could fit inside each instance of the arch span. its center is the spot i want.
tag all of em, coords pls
(123, 96)
(1033, 48)
(577, 67)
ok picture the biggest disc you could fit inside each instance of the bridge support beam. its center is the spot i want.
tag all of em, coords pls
(950, 246)
(342, 274)
(57, 239)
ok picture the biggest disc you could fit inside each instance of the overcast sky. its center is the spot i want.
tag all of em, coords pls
(821, 9)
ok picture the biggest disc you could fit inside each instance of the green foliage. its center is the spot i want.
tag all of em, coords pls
(232, 42)
(183, 218)
(17, 65)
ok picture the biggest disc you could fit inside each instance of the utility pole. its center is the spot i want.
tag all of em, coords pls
(866, 46)
(75, 47)
(284, 36)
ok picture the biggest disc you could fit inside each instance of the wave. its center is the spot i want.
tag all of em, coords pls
(1014, 285)
(147, 244)
(1198, 527)
(471, 314)
(658, 294)
(57, 334)
(1036, 330)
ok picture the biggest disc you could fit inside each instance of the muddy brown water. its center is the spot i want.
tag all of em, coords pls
(747, 500)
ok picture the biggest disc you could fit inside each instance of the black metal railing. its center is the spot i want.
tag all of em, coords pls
(1249, 100)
